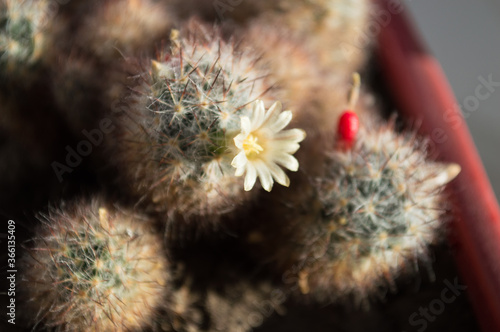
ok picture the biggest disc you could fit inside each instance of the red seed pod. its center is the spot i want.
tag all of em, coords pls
(348, 126)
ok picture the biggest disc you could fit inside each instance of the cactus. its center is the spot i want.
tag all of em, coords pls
(93, 268)
(373, 212)
(238, 307)
(334, 30)
(315, 95)
(200, 104)
(193, 135)
(221, 295)
(124, 28)
(381, 204)
(328, 27)
(23, 27)
(244, 305)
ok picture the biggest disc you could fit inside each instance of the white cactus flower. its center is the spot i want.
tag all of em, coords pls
(263, 145)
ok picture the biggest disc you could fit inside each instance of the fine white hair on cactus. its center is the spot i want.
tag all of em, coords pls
(263, 144)
(333, 30)
(124, 27)
(95, 268)
(23, 31)
(370, 213)
(179, 139)
(381, 204)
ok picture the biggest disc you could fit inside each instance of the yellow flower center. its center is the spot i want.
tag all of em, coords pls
(251, 147)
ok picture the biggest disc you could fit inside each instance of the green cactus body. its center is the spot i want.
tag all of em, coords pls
(94, 269)
(380, 208)
(181, 142)
(372, 212)
(21, 32)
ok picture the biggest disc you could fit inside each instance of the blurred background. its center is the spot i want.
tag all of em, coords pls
(464, 36)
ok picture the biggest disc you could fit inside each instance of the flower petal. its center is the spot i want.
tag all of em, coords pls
(266, 180)
(250, 178)
(240, 171)
(259, 114)
(281, 122)
(294, 135)
(287, 161)
(274, 110)
(272, 114)
(246, 125)
(238, 140)
(240, 160)
(279, 175)
(286, 147)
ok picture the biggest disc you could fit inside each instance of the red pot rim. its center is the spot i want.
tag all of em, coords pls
(422, 92)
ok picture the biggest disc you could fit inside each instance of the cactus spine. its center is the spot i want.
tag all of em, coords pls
(23, 25)
(377, 208)
(92, 268)
(370, 212)
(189, 112)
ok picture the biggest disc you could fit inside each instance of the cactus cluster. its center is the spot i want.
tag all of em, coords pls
(124, 27)
(92, 268)
(193, 118)
(301, 82)
(339, 27)
(337, 24)
(372, 212)
(192, 107)
(381, 205)
(22, 33)
(239, 305)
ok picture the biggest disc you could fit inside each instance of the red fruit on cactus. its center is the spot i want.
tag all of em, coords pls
(348, 126)
(349, 122)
